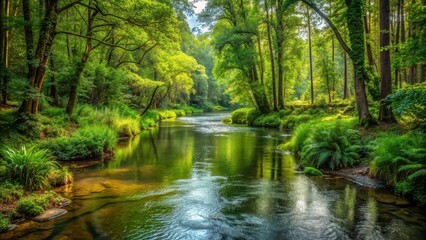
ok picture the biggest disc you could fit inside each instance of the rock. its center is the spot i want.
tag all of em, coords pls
(50, 214)
(12, 226)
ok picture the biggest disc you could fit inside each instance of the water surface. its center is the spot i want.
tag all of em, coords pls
(197, 178)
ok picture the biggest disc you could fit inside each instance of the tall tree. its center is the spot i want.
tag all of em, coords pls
(311, 75)
(385, 64)
(271, 57)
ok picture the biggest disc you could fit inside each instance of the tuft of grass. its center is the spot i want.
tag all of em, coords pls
(60, 177)
(227, 120)
(30, 168)
(312, 171)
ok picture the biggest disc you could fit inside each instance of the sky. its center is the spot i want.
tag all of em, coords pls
(192, 20)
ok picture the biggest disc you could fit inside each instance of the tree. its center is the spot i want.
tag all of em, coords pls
(385, 114)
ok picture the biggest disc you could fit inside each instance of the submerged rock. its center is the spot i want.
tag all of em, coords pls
(50, 214)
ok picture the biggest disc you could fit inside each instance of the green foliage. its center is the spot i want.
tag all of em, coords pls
(167, 114)
(239, 116)
(30, 168)
(227, 120)
(4, 223)
(149, 119)
(331, 146)
(312, 171)
(60, 177)
(397, 155)
(10, 192)
(88, 141)
(34, 204)
(409, 105)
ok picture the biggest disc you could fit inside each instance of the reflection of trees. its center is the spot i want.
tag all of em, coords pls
(345, 207)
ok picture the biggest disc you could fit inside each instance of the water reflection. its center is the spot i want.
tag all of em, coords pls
(197, 178)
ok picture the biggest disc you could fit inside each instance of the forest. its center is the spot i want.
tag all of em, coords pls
(346, 77)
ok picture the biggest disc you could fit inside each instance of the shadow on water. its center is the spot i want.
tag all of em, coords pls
(197, 178)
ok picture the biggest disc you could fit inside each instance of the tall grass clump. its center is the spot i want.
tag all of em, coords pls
(34, 204)
(60, 177)
(331, 146)
(28, 167)
(239, 116)
(149, 119)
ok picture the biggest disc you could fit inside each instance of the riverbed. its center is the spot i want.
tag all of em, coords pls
(198, 178)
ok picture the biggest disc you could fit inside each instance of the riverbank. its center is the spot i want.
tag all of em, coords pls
(32, 153)
(328, 138)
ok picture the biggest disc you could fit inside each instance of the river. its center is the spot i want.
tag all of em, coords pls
(197, 178)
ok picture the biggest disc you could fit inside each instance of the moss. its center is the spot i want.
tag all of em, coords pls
(312, 171)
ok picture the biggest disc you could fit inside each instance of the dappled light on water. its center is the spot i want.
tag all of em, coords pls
(198, 178)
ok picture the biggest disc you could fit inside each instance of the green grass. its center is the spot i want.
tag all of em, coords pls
(29, 167)
(60, 177)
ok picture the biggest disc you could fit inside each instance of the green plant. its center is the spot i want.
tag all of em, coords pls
(61, 176)
(30, 168)
(239, 116)
(36, 204)
(10, 192)
(312, 171)
(331, 146)
(409, 105)
(4, 223)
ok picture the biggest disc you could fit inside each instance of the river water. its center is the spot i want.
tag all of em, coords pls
(197, 178)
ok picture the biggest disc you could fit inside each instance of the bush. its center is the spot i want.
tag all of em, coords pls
(10, 192)
(227, 120)
(4, 223)
(312, 171)
(30, 168)
(409, 105)
(331, 146)
(167, 114)
(300, 134)
(239, 116)
(34, 205)
(60, 177)
(88, 141)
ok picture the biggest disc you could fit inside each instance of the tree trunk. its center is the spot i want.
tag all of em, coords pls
(310, 55)
(150, 101)
(385, 114)
(261, 61)
(398, 30)
(75, 81)
(403, 40)
(345, 77)
(423, 73)
(272, 58)
(280, 53)
(53, 87)
(354, 20)
(370, 57)
(38, 59)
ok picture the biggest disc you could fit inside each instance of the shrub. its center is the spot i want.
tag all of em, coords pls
(10, 192)
(30, 168)
(239, 116)
(331, 146)
(270, 120)
(60, 177)
(409, 105)
(36, 204)
(312, 171)
(300, 134)
(4, 223)
(88, 141)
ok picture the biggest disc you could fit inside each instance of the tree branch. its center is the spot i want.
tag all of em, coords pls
(345, 47)
(101, 41)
